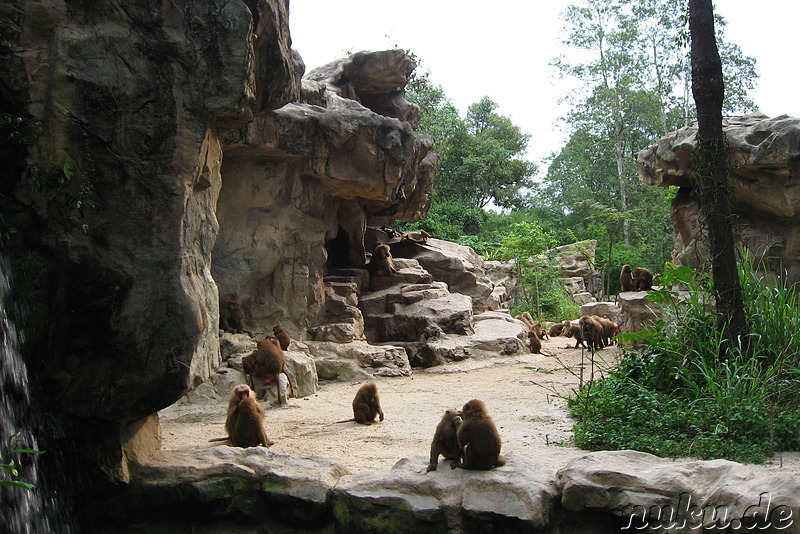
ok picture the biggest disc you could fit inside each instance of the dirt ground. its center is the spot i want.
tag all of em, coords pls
(524, 395)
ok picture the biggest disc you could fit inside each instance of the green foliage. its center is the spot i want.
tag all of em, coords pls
(449, 220)
(9, 474)
(678, 397)
(481, 155)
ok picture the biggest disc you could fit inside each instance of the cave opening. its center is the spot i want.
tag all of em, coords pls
(338, 250)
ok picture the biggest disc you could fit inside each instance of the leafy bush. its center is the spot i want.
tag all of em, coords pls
(679, 397)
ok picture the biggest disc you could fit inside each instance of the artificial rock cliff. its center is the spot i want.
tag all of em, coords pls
(176, 155)
(764, 165)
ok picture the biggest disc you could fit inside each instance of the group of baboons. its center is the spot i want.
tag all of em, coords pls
(640, 279)
(592, 331)
(468, 437)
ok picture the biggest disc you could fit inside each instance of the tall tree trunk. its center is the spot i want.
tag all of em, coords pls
(712, 177)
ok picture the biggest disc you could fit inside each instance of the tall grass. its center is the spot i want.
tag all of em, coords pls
(691, 392)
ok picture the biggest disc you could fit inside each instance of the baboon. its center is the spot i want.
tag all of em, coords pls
(626, 279)
(381, 263)
(478, 439)
(245, 421)
(445, 441)
(555, 330)
(642, 279)
(231, 313)
(366, 405)
(421, 237)
(282, 336)
(610, 329)
(534, 342)
(267, 363)
(574, 331)
(541, 333)
(591, 331)
(526, 318)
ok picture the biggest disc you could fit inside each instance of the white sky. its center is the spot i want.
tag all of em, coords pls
(504, 52)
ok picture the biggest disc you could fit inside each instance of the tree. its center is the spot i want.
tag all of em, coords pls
(712, 181)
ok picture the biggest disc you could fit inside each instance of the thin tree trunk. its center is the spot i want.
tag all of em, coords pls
(712, 177)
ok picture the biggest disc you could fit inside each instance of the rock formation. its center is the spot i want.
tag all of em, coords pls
(763, 163)
(177, 155)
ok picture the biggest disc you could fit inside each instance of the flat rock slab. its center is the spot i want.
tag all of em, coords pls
(519, 496)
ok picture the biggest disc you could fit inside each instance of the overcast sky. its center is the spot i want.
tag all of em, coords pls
(504, 52)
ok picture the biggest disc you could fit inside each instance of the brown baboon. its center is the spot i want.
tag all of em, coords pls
(555, 330)
(478, 439)
(445, 441)
(245, 421)
(381, 263)
(231, 313)
(610, 329)
(282, 336)
(526, 318)
(575, 331)
(366, 405)
(541, 333)
(266, 363)
(534, 342)
(626, 279)
(591, 331)
(642, 279)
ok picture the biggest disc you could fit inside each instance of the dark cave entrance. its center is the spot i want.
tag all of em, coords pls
(338, 250)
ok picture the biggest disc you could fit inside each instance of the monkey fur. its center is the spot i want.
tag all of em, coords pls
(231, 313)
(245, 420)
(266, 363)
(445, 441)
(478, 439)
(366, 405)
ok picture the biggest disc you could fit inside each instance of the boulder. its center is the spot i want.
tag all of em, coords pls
(251, 485)
(519, 497)
(638, 313)
(685, 496)
(496, 334)
(375, 360)
(762, 158)
(451, 314)
(456, 265)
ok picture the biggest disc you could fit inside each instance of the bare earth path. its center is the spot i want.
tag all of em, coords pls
(521, 395)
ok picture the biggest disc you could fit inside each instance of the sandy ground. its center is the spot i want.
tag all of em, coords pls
(524, 396)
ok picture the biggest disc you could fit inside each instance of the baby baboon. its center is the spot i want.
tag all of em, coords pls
(282, 336)
(541, 333)
(555, 330)
(478, 439)
(626, 279)
(245, 421)
(534, 342)
(231, 313)
(267, 363)
(591, 331)
(642, 279)
(445, 441)
(381, 263)
(575, 331)
(366, 405)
